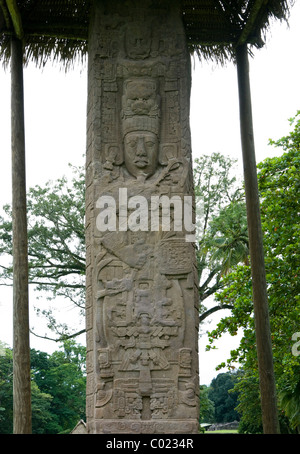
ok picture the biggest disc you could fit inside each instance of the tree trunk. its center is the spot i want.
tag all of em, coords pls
(260, 299)
(21, 350)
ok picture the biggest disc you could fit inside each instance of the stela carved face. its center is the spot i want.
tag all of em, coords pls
(141, 153)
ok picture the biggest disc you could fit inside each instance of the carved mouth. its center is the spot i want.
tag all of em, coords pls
(140, 162)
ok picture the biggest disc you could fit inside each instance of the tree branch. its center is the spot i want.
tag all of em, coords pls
(62, 338)
(212, 310)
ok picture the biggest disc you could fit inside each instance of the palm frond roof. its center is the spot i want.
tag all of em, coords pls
(58, 29)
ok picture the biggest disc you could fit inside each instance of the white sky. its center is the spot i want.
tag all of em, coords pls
(55, 115)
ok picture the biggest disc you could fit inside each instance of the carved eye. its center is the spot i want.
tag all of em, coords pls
(132, 143)
(150, 144)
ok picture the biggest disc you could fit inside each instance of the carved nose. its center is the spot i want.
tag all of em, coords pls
(141, 151)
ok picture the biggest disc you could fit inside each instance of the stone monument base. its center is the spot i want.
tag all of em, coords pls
(159, 426)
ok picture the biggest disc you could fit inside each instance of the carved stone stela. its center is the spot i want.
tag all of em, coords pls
(141, 310)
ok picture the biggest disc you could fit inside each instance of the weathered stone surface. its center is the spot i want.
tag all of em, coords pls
(142, 361)
(80, 428)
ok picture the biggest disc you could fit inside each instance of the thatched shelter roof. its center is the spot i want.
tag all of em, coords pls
(59, 28)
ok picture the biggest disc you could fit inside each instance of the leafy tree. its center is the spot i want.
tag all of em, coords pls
(57, 389)
(224, 400)
(226, 245)
(56, 244)
(6, 390)
(290, 403)
(62, 375)
(279, 185)
(216, 185)
(227, 241)
(249, 407)
(42, 417)
(207, 407)
(222, 240)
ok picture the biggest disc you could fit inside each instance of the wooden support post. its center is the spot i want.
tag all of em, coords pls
(15, 17)
(260, 299)
(21, 349)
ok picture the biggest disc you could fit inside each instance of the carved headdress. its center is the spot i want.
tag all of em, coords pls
(140, 106)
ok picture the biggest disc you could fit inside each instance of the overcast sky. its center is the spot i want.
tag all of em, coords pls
(55, 115)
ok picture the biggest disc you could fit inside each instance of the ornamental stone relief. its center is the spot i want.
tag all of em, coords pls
(142, 366)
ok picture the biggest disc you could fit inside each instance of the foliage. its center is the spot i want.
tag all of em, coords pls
(222, 235)
(42, 417)
(227, 240)
(279, 185)
(6, 390)
(249, 403)
(207, 408)
(56, 243)
(57, 389)
(290, 403)
(224, 398)
(63, 377)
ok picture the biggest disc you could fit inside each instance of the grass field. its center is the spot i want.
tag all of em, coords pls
(221, 432)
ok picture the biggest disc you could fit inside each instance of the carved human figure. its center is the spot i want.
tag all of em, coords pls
(141, 153)
(140, 125)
